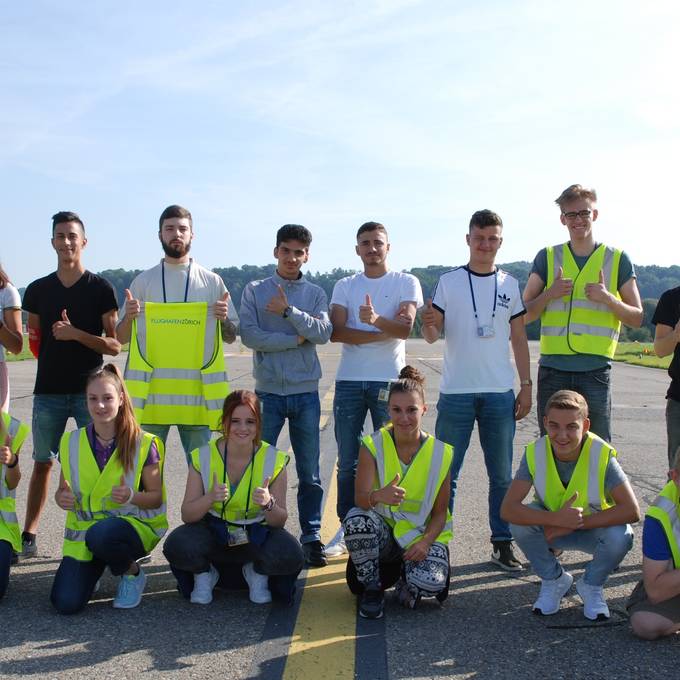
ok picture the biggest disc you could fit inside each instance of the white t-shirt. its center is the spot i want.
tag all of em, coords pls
(375, 361)
(9, 299)
(204, 286)
(473, 364)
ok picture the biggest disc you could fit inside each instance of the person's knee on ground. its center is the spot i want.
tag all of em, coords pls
(651, 626)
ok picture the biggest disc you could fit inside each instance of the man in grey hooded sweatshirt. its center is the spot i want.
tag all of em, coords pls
(283, 318)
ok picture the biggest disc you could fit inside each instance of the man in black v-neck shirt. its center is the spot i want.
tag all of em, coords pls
(72, 317)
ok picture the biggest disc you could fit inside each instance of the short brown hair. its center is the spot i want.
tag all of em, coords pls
(64, 216)
(574, 192)
(242, 398)
(174, 211)
(485, 218)
(568, 400)
(371, 226)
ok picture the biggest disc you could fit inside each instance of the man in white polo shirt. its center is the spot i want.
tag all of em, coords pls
(480, 309)
(372, 315)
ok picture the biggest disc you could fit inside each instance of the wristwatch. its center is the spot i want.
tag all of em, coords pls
(286, 312)
(527, 382)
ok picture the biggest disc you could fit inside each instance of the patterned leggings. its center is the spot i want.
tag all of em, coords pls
(369, 541)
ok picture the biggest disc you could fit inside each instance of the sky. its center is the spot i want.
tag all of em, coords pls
(329, 114)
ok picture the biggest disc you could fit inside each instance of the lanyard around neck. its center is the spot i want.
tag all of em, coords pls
(250, 466)
(495, 295)
(186, 287)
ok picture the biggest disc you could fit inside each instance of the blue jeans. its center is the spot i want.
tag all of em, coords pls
(303, 412)
(607, 545)
(593, 385)
(50, 413)
(113, 543)
(495, 416)
(352, 401)
(191, 436)
(5, 561)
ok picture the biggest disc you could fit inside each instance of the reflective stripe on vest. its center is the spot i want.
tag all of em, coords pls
(267, 463)
(92, 490)
(587, 479)
(175, 371)
(9, 524)
(422, 482)
(576, 325)
(666, 509)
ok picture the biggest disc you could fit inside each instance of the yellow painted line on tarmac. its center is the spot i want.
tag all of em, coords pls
(327, 406)
(324, 639)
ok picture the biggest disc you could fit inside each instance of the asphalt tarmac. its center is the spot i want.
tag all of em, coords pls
(484, 630)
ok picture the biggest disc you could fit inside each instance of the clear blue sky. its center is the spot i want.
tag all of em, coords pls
(328, 114)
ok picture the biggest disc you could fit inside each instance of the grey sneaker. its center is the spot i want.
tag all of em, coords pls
(337, 545)
(29, 547)
(551, 594)
(594, 605)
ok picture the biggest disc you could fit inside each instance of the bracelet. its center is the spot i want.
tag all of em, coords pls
(130, 497)
(14, 464)
(371, 504)
(270, 506)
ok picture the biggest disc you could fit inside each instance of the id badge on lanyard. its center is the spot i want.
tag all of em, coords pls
(484, 330)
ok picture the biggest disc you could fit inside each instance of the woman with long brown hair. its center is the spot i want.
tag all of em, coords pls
(111, 486)
(11, 337)
(234, 511)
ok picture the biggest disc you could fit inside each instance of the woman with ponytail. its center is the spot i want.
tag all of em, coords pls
(111, 487)
(11, 337)
(400, 528)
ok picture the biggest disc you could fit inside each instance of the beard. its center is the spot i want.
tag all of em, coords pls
(175, 251)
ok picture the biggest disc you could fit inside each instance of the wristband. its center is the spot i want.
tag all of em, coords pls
(270, 506)
(371, 504)
(14, 464)
(130, 497)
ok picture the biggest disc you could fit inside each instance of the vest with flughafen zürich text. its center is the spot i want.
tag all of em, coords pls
(421, 482)
(588, 478)
(574, 324)
(12, 433)
(175, 372)
(266, 463)
(92, 490)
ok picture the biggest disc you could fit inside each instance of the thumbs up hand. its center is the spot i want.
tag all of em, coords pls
(221, 308)
(63, 329)
(428, 315)
(219, 493)
(122, 494)
(132, 306)
(279, 302)
(6, 455)
(262, 495)
(367, 313)
(392, 493)
(64, 497)
(597, 292)
(561, 287)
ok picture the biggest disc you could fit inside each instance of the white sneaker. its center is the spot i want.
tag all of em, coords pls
(337, 545)
(203, 586)
(258, 584)
(594, 605)
(551, 594)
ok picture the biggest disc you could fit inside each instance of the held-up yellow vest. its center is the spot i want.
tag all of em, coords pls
(9, 526)
(422, 482)
(92, 489)
(175, 371)
(575, 325)
(588, 477)
(267, 462)
(666, 509)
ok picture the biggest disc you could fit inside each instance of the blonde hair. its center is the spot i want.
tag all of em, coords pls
(574, 192)
(568, 400)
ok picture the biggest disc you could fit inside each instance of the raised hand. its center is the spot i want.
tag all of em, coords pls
(392, 493)
(261, 494)
(64, 497)
(428, 316)
(122, 494)
(221, 308)
(6, 455)
(279, 302)
(63, 329)
(561, 287)
(597, 292)
(219, 492)
(367, 313)
(132, 306)
(570, 517)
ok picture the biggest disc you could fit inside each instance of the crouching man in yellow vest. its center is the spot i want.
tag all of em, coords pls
(112, 489)
(402, 490)
(654, 604)
(583, 501)
(12, 435)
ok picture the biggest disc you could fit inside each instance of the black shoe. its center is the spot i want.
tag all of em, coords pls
(504, 556)
(15, 558)
(29, 547)
(315, 554)
(371, 603)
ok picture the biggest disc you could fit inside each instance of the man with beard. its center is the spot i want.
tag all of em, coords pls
(178, 278)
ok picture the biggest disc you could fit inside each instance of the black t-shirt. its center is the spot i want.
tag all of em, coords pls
(667, 312)
(63, 365)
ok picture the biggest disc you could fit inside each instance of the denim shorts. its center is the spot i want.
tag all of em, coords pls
(50, 413)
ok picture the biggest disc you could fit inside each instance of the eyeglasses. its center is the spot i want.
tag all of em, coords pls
(583, 214)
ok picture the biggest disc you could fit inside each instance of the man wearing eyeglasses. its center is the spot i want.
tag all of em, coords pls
(582, 291)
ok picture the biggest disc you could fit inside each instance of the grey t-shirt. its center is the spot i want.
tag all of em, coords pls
(613, 476)
(578, 362)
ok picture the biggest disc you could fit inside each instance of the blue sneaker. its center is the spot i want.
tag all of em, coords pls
(130, 589)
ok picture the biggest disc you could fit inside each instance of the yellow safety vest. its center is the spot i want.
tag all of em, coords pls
(666, 509)
(175, 371)
(9, 525)
(267, 462)
(587, 479)
(92, 489)
(575, 325)
(422, 482)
